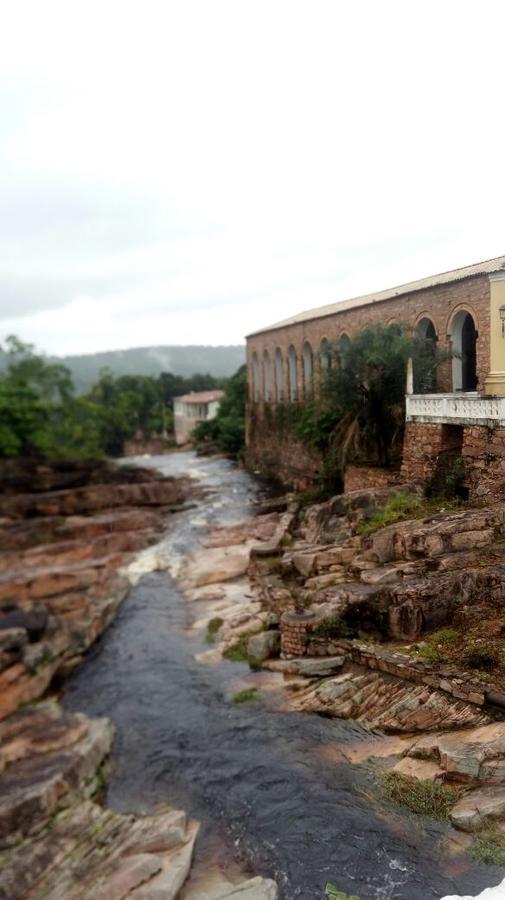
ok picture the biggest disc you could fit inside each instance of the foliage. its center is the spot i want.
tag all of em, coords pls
(366, 388)
(213, 627)
(436, 645)
(333, 893)
(482, 655)
(248, 695)
(397, 509)
(420, 796)
(489, 847)
(226, 432)
(335, 627)
(40, 414)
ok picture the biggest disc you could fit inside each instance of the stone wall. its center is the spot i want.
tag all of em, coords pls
(481, 448)
(360, 478)
(280, 455)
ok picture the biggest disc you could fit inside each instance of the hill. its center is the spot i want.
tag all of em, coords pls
(187, 360)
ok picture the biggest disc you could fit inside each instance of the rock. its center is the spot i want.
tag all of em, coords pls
(309, 667)
(86, 852)
(215, 565)
(261, 646)
(478, 808)
(252, 889)
(12, 638)
(475, 754)
(423, 769)
(33, 621)
(392, 705)
(34, 788)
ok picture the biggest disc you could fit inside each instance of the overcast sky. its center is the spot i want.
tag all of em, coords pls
(187, 172)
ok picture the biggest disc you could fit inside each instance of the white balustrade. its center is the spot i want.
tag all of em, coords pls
(462, 408)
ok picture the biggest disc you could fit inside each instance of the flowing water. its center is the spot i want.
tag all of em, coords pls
(274, 790)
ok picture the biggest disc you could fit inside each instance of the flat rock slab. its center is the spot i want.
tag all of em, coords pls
(479, 808)
(215, 565)
(87, 853)
(307, 666)
(252, 889)
(393, 705)
(476, 753)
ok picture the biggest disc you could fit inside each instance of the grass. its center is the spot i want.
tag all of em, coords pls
(437, 644)
(421, 797)
(398, 508)
(489, 847)
(212, 628)
(248, 695)
(238, 652)
(482, 655)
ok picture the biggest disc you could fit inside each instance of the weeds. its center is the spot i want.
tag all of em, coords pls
(421, 797)
(489, 847)
(398, 508)
(212, 628)
(482, 655)
(248, 695)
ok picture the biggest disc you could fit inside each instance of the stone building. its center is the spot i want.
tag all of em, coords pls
(463, 311)
(190, 409)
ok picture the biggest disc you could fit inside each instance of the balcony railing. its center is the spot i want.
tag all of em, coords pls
(458, 409)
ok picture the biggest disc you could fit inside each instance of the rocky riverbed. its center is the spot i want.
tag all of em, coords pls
(155, 720)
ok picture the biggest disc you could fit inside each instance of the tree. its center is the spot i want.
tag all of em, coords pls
(227, 431)
(365, 389)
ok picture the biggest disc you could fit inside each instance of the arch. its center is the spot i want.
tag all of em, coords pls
(308, 368)
(342, 345)
(463, 335)
(425, 382)
(267, 377)
(279, 376)
(255, 377)
(293, 374)
(425, 329)
(324, 355)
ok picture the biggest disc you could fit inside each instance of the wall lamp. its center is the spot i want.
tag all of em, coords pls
(502, 319)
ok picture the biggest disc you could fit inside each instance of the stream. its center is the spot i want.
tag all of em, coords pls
(274, 790)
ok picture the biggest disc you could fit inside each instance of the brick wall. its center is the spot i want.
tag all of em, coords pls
(358, 478)
(440, 304)
(484, 456)
(281, 456)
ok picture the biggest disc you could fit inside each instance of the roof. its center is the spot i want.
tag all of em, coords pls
(201, 397)
(482, 268)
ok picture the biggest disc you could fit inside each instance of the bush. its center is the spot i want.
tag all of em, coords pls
(248, 695)
(482, 656)
(421, 797)
(397, 509)
(489, 847)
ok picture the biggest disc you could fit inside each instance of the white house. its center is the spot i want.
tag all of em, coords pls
(190, 409)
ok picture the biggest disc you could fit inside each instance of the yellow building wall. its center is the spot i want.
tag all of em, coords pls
(495, 381)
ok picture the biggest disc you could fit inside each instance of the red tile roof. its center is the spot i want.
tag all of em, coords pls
(201, 397)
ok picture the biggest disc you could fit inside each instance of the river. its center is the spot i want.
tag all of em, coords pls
(271, 793)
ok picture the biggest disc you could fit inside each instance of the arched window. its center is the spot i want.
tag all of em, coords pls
(308, 367)
(425, 381)
(464, 347)
(279, 376)
(293, 374)
(256, 377)
(343, 344)
(324, 355)
(267, 380)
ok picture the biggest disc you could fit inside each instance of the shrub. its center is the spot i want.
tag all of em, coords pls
(397, 509)
(248, 695)
(489, 847)
(212, 628)
(482, 656)
(422, 797)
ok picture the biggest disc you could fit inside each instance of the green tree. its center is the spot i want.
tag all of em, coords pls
(365, 390)
(227, 431)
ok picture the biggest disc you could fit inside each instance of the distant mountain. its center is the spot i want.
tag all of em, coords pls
(186, 361)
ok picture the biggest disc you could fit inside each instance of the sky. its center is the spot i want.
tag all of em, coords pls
(189, 172)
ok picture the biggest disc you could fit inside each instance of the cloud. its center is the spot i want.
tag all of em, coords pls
(198, 170)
